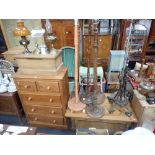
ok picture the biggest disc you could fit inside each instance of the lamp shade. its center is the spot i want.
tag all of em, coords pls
(21, 30)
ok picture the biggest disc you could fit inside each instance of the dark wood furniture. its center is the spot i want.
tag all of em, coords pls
(114, 122)
(63, 30)
(104, 47)
(3, 46)
(150, 46)
(10, 104)
(104, 40)
(44, 98)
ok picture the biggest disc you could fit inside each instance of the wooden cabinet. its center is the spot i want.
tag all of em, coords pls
(10, 105)
(10, 54)
(104, 47)
(144, 111)
(63, 30)
(3, 46)
(150, 47)
(44, 98)
(68, 33)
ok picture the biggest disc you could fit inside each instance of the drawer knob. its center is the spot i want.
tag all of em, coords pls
(54, 121)
(29, 98)
(48, 88)
(51, 100)
(26, 86)
(32, 109)
(35, 118)
(52, 112)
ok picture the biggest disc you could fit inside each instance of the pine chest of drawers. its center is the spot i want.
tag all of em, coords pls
(44, 98)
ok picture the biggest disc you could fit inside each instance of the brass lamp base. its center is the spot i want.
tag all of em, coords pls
(24, 42)
(76, 106)
(95, 111)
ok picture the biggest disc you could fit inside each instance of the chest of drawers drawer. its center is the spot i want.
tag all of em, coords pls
(47, 86)
(44, 97)
(45, 119)
(26, 85)
(43, 100)
(43, 110)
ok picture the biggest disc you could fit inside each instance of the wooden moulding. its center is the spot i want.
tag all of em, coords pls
(10, 54)
(41, 64)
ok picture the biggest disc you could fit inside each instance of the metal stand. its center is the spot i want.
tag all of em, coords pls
(121, 97)
(95, 99)
(95, 111)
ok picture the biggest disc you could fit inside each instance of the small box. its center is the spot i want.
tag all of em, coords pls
(11, 53)
(144, 111)
(38, 63)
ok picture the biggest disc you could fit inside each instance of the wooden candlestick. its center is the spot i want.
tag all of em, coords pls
(95, 55)
(74, 103)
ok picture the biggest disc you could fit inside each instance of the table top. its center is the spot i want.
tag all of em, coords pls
(6, 129)
(7, 94)
(117, 116)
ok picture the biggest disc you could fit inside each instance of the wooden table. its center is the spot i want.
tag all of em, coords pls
(10, 105)
(116, 121)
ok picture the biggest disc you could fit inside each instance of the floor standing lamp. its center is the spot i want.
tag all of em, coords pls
(74, 103)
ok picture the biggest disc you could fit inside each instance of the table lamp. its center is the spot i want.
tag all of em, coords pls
(51, 38)
(22, 31)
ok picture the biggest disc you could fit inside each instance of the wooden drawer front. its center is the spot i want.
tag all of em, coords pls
(26, 86)
(46, 86)
(45, 119)
(112, 127)
(43, 110)
(43, 100)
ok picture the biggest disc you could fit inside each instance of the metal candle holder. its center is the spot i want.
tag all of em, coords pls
(122, 96)
(51, 38)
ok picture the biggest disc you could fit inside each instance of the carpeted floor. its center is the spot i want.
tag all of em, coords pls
(13, 120)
